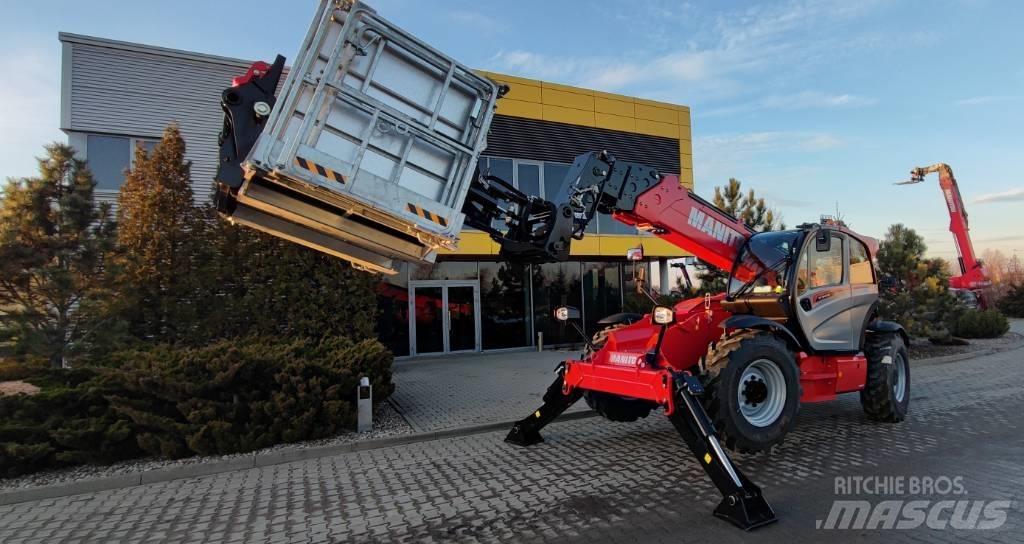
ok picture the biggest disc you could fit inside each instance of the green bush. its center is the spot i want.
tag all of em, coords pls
(228, 397)
(1012, 303)
(17, 369)
(980, 324)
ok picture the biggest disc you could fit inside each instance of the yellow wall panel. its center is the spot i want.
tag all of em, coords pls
(518, 91)
(684, 116)
(656, 128)
(685, 133)
(589, 245)
(473, 243)
(660, 114)
(505, 78)
(567, 88)
(686, 161)
(686, 177)
(615, 122)
(616, 246)
(573, 116)
(567, 99)
(519, 108)
(614, 107)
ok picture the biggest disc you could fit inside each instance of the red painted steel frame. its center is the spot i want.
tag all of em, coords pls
(621, 368)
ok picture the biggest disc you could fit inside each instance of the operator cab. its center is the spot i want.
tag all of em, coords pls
(817, 280)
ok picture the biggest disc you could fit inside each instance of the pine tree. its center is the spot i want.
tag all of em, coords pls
(55, 249)
(750, 209)
(159, 229)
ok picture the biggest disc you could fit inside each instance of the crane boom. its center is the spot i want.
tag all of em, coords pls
(972, 273)
(632, 193)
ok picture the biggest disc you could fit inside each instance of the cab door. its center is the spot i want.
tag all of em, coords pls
(824, 301)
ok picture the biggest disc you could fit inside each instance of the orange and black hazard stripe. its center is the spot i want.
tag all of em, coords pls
(428, 215)
(319, 170)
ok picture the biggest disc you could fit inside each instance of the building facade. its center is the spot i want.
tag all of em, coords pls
(118, 95)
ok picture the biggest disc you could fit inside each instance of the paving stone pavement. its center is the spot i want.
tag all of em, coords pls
(492, 387)
(592, 481)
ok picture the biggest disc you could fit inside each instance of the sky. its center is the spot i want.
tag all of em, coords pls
(818, 105)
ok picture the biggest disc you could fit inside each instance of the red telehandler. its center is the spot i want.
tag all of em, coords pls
(972, 278)
(369, 154)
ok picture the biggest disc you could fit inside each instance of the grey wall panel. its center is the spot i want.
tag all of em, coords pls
(521, 138)
(117, 90)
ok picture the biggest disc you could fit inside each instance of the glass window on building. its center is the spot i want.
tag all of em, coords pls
(606, 224)
(393, 311)
(109, 157)
(528, 178)
(636, 280)
(446, 270)
(505, 305)
(554, 285)
(554, 177)
(501, 168)
(602, 293)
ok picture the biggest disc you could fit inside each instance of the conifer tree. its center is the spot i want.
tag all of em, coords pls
(55, 249)
(159, 229)
(750, 209)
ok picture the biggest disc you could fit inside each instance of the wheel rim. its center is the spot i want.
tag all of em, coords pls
(899, 386)
(762, 393)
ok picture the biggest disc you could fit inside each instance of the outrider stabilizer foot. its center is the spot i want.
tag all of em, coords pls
(746, 509)
(526, 432)
(742, 503)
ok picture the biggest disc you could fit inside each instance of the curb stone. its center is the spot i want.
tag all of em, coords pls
(256, 460)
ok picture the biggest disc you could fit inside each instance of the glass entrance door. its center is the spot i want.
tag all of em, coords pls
(447, 316)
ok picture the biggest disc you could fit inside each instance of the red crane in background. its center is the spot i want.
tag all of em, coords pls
(972, 272)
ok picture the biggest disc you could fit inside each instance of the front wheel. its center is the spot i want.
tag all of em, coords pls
(886, 393)
(753, 391)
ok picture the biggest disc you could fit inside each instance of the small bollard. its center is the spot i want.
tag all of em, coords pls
(540, 341)
(364, 400)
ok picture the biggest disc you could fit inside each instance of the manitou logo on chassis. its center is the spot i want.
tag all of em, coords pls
(623, 359)
(713, 227)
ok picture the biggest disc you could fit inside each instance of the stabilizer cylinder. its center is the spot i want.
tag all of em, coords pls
(742, 503)
(526, 432)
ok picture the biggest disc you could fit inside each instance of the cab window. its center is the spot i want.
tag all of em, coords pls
(860, 265)
(821, 268)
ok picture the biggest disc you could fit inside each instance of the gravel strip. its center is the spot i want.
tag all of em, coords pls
(923, 349)
(387, 422)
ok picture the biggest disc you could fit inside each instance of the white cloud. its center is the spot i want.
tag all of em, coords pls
(762, 142)
(796, 101)
(987, 99)
(1013, 195)
(30, 97)
(476, 21)
(711, 62)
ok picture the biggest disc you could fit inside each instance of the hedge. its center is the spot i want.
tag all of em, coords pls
(228, 397)
(980, 324)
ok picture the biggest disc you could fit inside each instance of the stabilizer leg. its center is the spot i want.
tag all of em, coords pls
(526, 432)
(742, 503)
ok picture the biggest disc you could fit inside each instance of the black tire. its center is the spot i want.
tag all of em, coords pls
(616, 408)
(881, 401)
(724, 402)
(608, 406)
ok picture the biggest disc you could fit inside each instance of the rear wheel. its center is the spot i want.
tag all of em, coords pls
(613, 407)
(886, 394)
(753, 390)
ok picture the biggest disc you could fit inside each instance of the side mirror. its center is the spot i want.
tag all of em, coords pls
(565, 313)
(635, 254)
(663, 315)
(823, 240)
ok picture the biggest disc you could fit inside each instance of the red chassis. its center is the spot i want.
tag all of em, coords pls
(622, 367)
